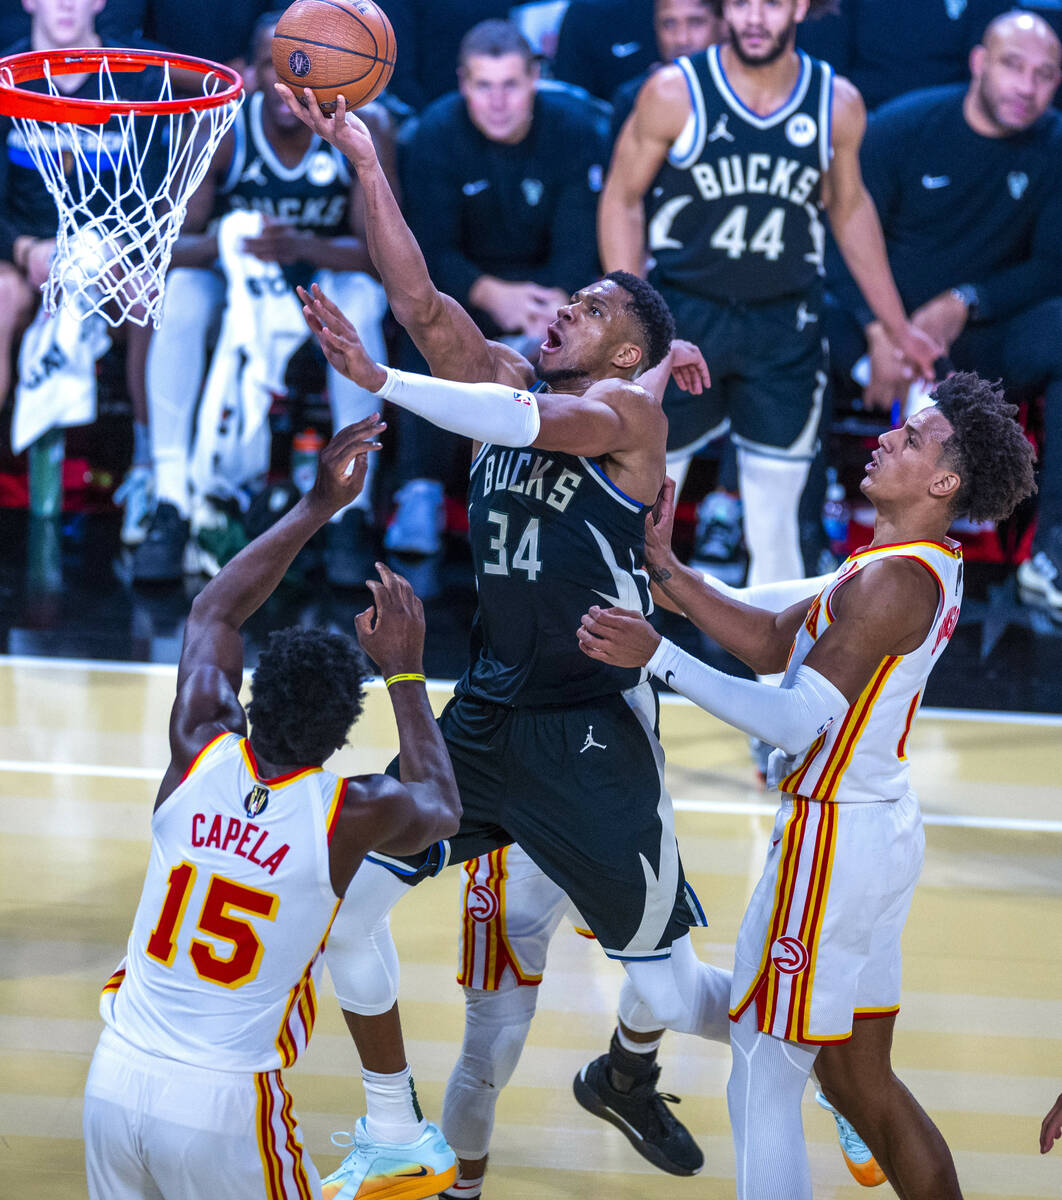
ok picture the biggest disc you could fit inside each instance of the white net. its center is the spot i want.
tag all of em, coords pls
(121, 190)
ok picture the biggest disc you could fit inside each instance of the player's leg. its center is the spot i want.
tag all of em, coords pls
(857, 1079)
(510, 912)
(763, 1095)
(176, 359)
(350, 548)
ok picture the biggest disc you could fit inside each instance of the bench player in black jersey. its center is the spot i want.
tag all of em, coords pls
(721, 175)
(548, 753)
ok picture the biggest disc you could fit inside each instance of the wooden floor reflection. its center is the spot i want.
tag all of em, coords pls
(979, 1035)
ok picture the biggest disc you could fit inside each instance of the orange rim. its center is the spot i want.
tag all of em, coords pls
(16, 101)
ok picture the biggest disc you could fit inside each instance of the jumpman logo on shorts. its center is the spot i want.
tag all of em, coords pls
(590, 743)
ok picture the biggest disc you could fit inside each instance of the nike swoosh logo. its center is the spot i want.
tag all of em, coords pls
(473, 189)
(410, 1174)
(668, 676)
(775, 842)
(625, 49)
(932, 182)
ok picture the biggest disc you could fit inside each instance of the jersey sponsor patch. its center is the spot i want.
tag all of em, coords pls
(321, 169)
(801, 129)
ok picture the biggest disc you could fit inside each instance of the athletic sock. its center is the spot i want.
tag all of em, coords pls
(627, 1068)
(141, 445)
(392, 1110)
(464, 1188)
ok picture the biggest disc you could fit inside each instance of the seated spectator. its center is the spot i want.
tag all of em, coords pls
(968, 182)
(603, 43)
(682, 27)
(502, 179)
(269, 163)
(118, 23)
(28, 224)
(889, 49)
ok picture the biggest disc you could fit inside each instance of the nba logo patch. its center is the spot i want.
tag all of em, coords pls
(256, 800)
(801, 129)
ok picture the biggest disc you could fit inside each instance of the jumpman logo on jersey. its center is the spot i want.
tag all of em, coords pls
(720, 131)
(804, 318)
(590, 744)
(255, 173)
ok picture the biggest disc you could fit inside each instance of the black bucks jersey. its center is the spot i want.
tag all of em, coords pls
(734, 213)
(551, 535)
(314, 194)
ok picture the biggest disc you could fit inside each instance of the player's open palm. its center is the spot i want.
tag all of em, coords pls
(348, 133)
(391, 632)
(344, 462)
(339, 340)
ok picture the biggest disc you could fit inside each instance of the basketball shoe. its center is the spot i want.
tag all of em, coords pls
(1040, 577)
(385, 1171)
(642, 1116)
(136, 496)
(857, 1156)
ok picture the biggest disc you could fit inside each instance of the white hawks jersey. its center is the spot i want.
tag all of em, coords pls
(862, 756)
(221, 966)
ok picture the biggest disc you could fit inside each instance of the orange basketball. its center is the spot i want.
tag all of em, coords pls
(335, 47)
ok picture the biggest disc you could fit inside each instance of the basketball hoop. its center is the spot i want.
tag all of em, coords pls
(120, 171)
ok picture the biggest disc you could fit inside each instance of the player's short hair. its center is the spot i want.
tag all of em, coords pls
(816, 8)
(493, 39)
(988, 448)
(651, 314)
(306, 693)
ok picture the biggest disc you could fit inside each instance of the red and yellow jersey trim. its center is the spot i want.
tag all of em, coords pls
(280, 780)
(811, 924)
(284, 1178)
(193, 765)
(901, 745)
(852, 729)
(489, 938)
(302, 1003)
(953, 549)
(868, 1014)
(115, 981)
(335, 807)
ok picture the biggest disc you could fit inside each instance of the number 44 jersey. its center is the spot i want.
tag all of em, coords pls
(221, 965)
(551, 535)
(734, 212)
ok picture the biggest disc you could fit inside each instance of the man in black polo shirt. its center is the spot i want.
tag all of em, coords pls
(968, 183)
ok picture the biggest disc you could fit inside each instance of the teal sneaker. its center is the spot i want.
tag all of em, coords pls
(861, 1163)
(386, 1171)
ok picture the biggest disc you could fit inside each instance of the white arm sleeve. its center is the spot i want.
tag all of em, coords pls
(789, 717)
(485, 412)
(774, 597)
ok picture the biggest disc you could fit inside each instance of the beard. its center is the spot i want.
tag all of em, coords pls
(560, 379)
(783, 42)
(990, 109)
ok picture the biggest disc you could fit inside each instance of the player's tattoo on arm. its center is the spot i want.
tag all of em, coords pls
(659, 574)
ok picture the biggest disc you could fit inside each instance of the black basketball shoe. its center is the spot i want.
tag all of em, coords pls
(642, 1116)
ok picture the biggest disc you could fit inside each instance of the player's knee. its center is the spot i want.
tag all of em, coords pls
(496, 1028)
(190, 305)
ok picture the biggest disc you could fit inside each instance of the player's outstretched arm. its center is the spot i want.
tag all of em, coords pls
(444, 333)
(211, 664)
(1051, 1129)
(381, 813)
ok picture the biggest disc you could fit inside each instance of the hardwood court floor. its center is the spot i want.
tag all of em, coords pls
(979, 1037)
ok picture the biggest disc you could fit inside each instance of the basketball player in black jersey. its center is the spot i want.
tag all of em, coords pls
(735, 152)
(562, 759)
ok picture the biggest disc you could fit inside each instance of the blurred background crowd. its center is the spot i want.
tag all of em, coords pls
(502, 129)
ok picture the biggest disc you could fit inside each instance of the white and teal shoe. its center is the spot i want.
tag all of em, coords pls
(861, 1163)
(389, 1171)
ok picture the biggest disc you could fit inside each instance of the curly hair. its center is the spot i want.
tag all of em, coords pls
(987, 448)
(816, 8)
(651, 312)
(306, 693)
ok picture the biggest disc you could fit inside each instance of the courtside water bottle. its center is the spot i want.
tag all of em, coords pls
(836, 514)
(305, 451)
(45, 470)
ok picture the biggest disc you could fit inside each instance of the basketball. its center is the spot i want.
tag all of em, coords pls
(335, 47)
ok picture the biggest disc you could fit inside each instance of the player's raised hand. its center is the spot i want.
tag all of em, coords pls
(617, 636)
(688, 368)
(347, 132)
(660, 524)
(391, 632)
(339, 340)
(344, 462)
(1051, 1129)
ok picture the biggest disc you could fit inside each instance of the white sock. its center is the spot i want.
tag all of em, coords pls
(633, 1047)
(770, 496)
(465, 1188)
(392, 1112)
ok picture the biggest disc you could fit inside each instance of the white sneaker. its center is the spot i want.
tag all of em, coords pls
(386, 1171)
(861, 1163)
(136, 494)
(1040, 582)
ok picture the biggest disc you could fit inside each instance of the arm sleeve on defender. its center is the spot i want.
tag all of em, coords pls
(485, 412)
(789, 717)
